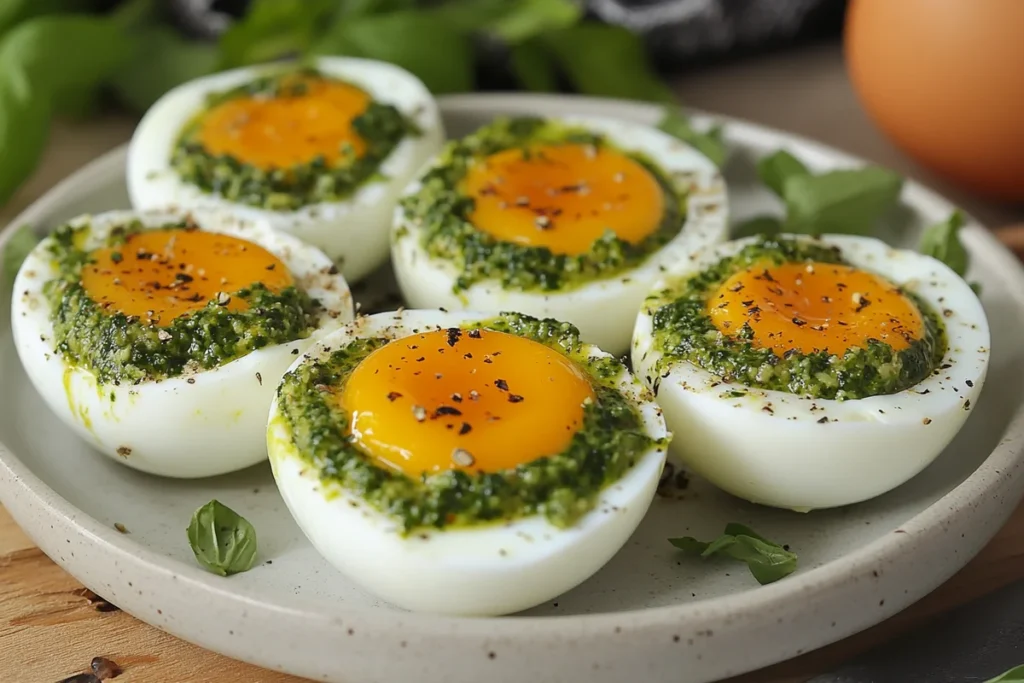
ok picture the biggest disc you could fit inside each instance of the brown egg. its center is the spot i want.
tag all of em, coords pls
(944, 79)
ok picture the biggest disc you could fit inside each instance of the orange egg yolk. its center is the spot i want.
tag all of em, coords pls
(563, 197)
(464, 399)
(160, 275)
(809, 307)
(291, 129)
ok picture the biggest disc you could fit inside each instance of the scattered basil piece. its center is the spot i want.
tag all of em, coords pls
(272, 29)
(710, 143)
(223, 541)
(18, 246)
(942, 241)
(844, 201)
(439, 54)
(531, 63)
(164, 60)
(767, 561)
(606, 60)
(759, 225)
(1014, 675)
(775, 169)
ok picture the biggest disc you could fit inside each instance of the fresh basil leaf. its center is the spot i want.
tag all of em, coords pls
(845, 201)
(223, 541)
(606, 60)
(778, 167)
(13, 12)
(1014, 675)
(356, 8)
(166, 60)
(942, 241)
(767, 561)
(46, 62)
(759, 225)
(710, 144)
(18, 246)
(531, 63)
(527, 19)
(91, 48)
(440, 55)
(24, 129)
(273, 29)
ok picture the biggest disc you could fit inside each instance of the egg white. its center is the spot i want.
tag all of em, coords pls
(354, 231)
(603, 309)
(771, 447)
(487, 570)
(202, 424)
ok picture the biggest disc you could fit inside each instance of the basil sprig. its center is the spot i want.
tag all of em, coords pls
(223, 541)
(846, 201)
(942, 241)
(768, 561)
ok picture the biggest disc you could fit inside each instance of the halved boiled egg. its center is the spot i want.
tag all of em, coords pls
(159, 337)
(811, 373)
(464, 463)
(573, 219)
(321, 152)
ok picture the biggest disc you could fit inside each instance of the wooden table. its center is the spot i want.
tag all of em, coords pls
(49, 628)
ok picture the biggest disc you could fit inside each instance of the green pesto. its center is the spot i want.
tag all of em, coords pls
(684, 332)
(561, 487)
(443, 213)
(381, 127)
(119, 348)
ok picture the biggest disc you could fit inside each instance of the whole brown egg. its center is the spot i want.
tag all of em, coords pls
(944, 79)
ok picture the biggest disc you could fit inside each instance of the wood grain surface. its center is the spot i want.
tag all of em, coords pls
(51, 627)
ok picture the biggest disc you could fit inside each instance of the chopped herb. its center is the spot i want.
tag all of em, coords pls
(768, 561)
(223, 541)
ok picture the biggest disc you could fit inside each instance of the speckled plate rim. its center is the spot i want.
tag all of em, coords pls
(902, 566)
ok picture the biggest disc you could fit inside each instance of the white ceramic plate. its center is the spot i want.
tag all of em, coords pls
(649, 614)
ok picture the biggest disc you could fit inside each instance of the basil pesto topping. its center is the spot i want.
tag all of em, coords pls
(442, 213)
(381, 127)
(562, 487)
(684, 332)
(120, 348)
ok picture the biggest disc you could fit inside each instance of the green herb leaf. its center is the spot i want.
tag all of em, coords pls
(357, 8)
(606, 60)
(767, 561)
(24, 129)
(846, 201)
(1014, 675)
(531, 63)
(759, 225)
(775, 169)
(13, 12)
(223, 541)
(440, 55)
(164, 61)
(942, 241)
(710, 144)
(35, 78)
(530, 18)
(18, 246)
(274, 28)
